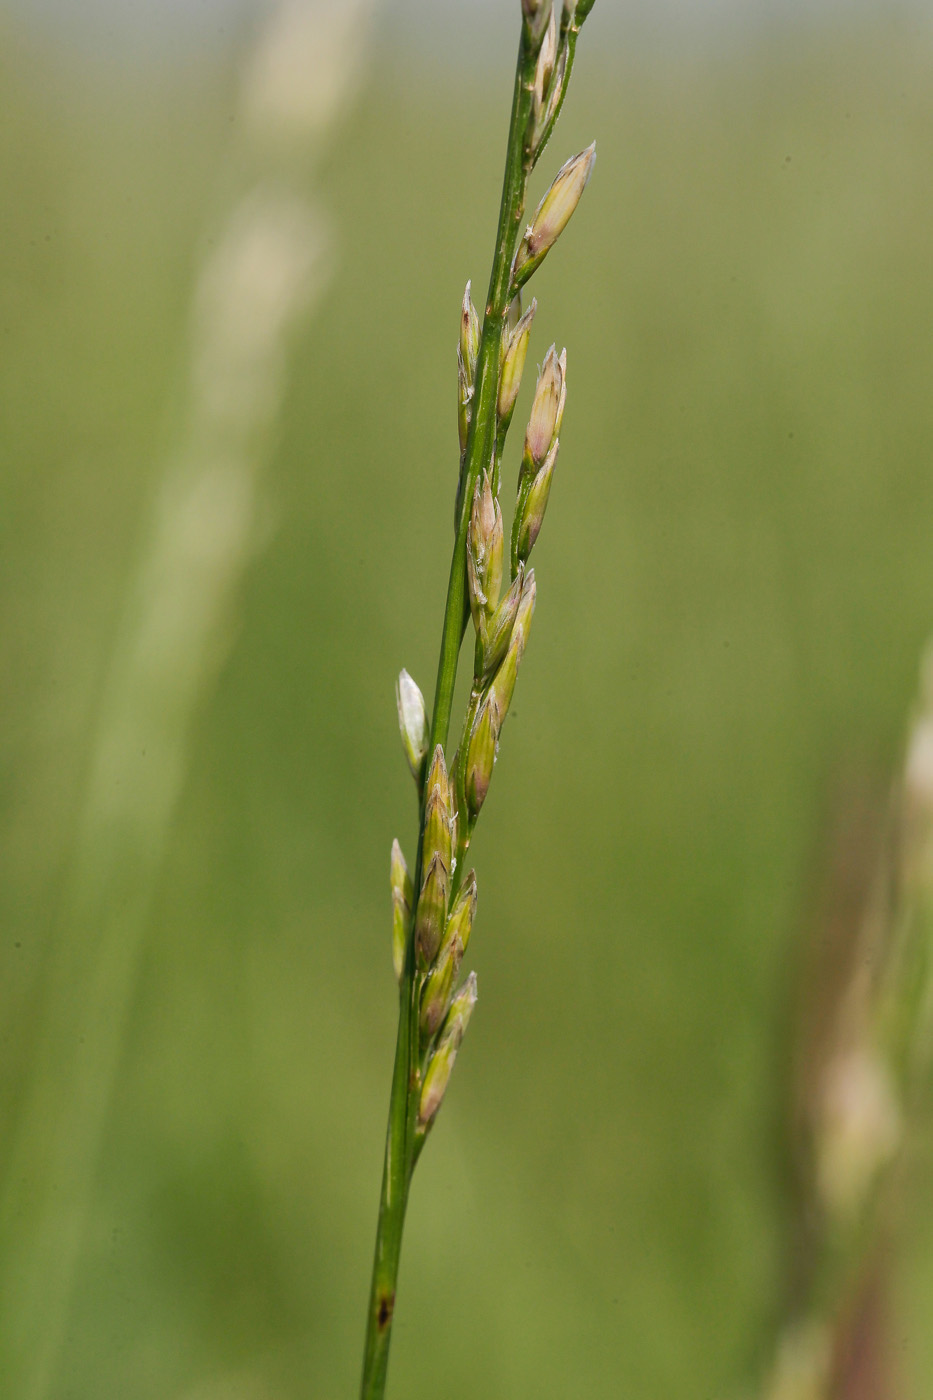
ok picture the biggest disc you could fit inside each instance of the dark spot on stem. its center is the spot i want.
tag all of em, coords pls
(385, 1309)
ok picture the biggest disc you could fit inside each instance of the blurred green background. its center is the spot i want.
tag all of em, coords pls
(734, 585)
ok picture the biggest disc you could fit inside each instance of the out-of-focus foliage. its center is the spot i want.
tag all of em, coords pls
(735, 582)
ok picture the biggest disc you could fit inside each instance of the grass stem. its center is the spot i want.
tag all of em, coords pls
(401, 1144)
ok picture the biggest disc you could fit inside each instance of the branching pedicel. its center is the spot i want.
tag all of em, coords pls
(433, 910)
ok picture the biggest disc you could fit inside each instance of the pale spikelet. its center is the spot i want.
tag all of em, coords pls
(537, 14)
(437, 839)
(546, 410)
(412, 723)
(432, 912)
(485, 548)
(442, 1062)
(469, 335)
(493, 636)
(402, 899)
(514, 351)
(545, 65)
(552, 215)
(535, 504)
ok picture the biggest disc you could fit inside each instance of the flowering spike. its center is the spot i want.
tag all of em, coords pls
(432, 912)
(546, 411)
(536, 504)
(454, 814)
(437, 838)
(403, 897)
(399, 877)
(545, 65)
(458, 1018)
(484, 738)
(442, 1061)
(438, 781)
(493, 637)
(537, 15)
(438, 989)
(562, 401)
(481, 756)
(433, 923)
(526, 611)
(552, 215)
(503, 685)
(545, 118)
(413, 723)
(514, 350)
(469, 336)
(485, 544)
(464, 401)
(460, 923)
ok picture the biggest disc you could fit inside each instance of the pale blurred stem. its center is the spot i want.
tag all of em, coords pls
(403, 1143)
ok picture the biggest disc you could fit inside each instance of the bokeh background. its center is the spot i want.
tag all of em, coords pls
(234, 242)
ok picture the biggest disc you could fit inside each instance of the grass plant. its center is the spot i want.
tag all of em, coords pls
(863, 1059)
(433, 910)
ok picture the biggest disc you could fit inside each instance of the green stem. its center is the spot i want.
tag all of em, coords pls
(392, 1203)
(402, 1140)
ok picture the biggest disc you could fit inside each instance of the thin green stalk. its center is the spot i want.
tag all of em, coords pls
(401, 1146)
(394, 1198)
